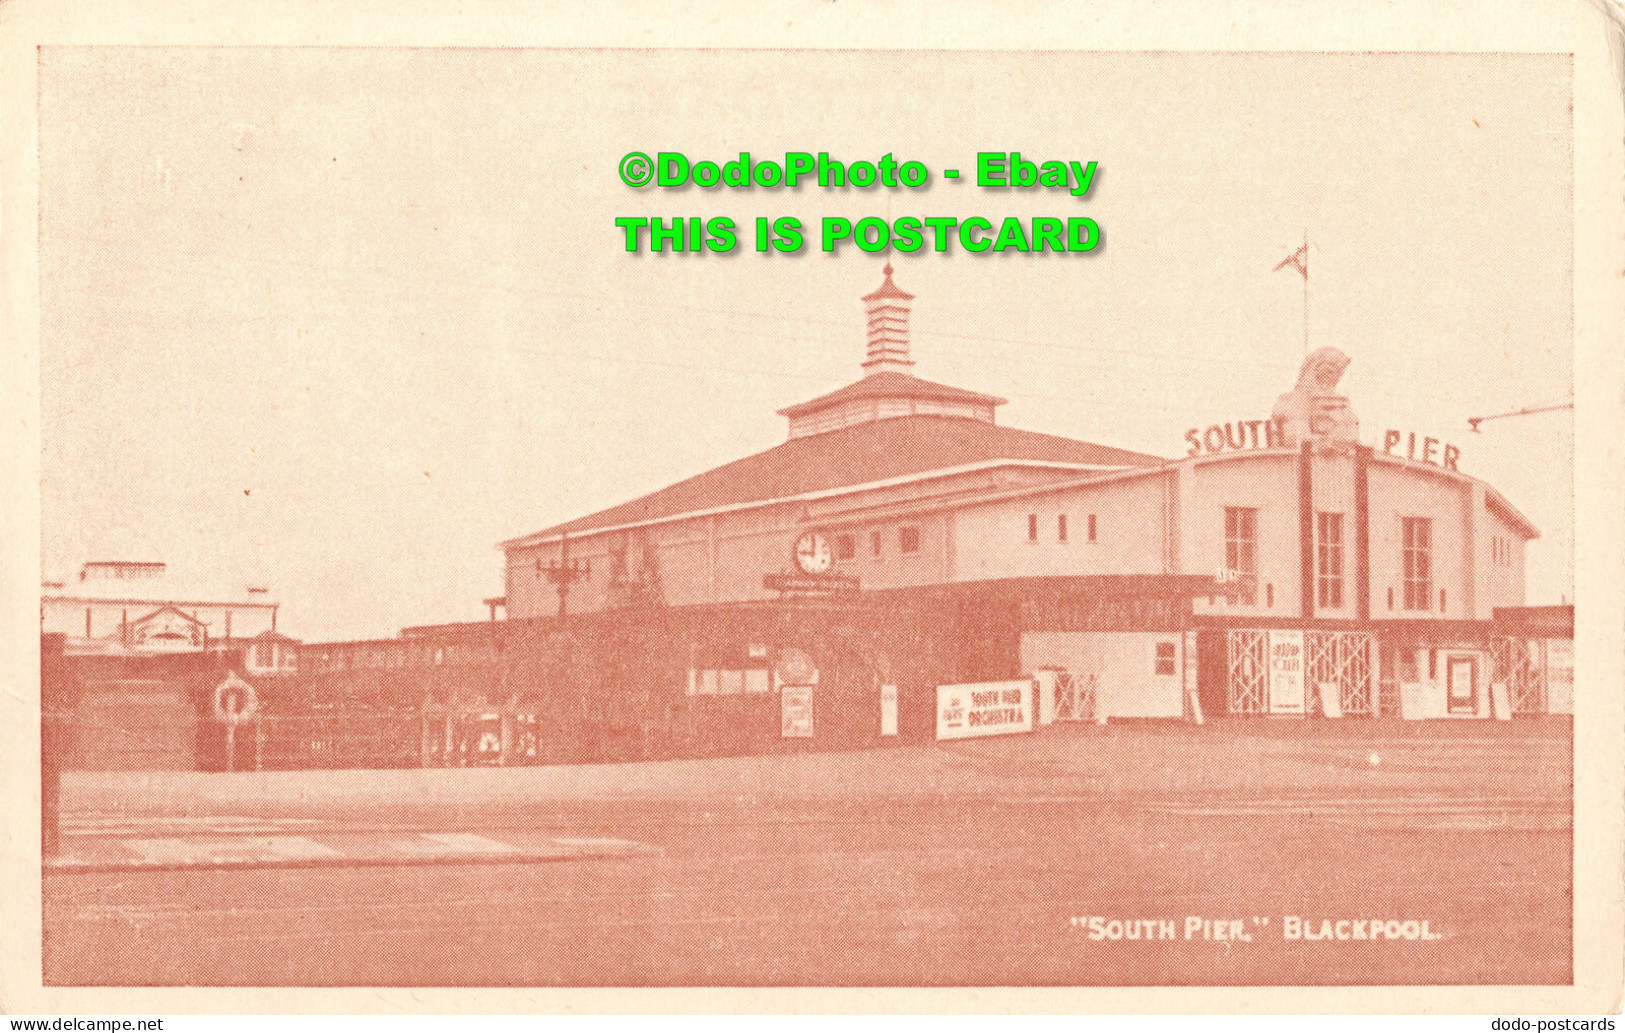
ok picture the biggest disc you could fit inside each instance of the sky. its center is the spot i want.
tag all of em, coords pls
(340, 320)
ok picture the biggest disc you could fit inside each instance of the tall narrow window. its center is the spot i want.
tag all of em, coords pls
(1032, 527)
(1060, 528)
(1417, 539)
(908, 539)
(1241, 551)
(874, 543)
(1091, 527)
(1329, 549)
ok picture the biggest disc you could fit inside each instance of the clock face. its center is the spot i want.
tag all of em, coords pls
(813, 554)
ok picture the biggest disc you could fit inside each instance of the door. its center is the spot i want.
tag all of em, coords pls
(1462, 691)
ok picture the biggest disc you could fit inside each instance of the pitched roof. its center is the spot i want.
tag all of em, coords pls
(891, 384)
(861, 454)
(158, 591)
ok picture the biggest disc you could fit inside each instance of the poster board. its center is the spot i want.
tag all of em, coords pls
(1286, 672)
(984, 708)
(796, 712)
(888, 710)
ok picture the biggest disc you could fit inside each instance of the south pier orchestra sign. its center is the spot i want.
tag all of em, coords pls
(1242, 435)
(984, 708)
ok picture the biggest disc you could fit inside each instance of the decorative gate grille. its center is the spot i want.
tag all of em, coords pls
(1516, 661)
(1344, 659)
(1074, 696)
(1249, 672)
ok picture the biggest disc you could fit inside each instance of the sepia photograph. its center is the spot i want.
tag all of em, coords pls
(545, 517)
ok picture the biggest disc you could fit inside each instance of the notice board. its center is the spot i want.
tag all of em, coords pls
(984, 708)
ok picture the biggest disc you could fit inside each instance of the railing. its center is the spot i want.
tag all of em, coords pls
(435, 738)
(364, 739)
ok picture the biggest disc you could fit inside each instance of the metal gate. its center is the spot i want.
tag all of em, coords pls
(1517, 662)
(1074, 696)
(1342, 658)
(1249, 672)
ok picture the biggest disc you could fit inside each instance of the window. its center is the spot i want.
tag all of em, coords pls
(1091, 527)
(1060, 528)
(845, 547)
(1032, 527)
(1501, 550)
(1165, 658)
(1329, 580)
(908, 539)
(1241, 551)
(260, 656)
(1441, 600)
(713, 681)
(874, 542)
(1417, 536)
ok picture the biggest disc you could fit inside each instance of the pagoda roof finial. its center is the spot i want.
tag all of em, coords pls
(888, 289)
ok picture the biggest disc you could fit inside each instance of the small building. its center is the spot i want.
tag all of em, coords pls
(138, 608)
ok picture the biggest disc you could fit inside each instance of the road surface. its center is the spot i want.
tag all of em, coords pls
(972, 863)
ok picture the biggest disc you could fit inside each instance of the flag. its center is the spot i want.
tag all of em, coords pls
(1298, 260)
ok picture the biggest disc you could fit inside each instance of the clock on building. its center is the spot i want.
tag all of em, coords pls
(813, 553)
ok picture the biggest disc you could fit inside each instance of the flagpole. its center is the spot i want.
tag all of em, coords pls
(1299, 260)
(1306, 290)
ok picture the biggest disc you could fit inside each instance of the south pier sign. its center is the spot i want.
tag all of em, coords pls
(1246, 435)
(1235, 436)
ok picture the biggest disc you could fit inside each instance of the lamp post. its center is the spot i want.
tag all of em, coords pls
(563, 572)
